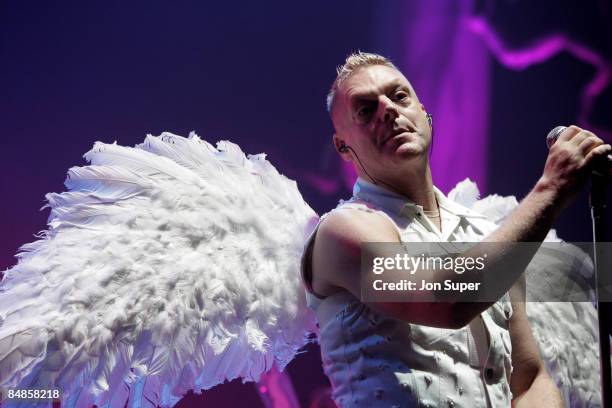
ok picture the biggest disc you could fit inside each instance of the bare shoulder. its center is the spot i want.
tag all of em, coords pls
(336, 254)
(355, 224)
(336, 266)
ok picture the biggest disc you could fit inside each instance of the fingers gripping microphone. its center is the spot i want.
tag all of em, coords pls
(602, 168)
(600, 177)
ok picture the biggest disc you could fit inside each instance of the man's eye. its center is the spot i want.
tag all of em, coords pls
(401, 96)
(364, 111)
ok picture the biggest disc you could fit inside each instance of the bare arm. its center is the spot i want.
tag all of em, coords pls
(531, 385)
(336, 254)
(337, 265)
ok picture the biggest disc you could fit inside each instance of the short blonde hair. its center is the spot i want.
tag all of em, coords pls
(352, 63)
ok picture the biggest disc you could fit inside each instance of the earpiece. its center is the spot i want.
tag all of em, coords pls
(343, 148)
(430, 119)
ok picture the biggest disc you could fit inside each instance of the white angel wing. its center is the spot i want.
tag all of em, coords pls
(167, 267)
(566, 332)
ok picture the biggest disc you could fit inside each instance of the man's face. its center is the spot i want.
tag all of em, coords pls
(378, 114)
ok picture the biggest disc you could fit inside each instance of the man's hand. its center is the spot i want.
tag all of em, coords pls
(570, 160)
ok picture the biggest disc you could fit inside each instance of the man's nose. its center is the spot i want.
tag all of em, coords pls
(388, 109)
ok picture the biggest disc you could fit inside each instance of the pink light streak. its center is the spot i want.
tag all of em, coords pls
(276, 390)
(541, 51)
(537, 52)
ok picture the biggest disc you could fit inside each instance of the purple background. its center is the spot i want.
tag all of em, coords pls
(497, 76)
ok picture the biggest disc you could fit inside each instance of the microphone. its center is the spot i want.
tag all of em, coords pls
(553, 135)
(601, 169)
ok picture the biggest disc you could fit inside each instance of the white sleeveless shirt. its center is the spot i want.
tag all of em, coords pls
(376, 361)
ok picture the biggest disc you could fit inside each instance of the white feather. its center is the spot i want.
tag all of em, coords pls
(167, 267)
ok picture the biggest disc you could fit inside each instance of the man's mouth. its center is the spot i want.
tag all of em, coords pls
(396, 133)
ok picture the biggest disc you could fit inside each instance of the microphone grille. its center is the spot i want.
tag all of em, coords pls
(553, 135)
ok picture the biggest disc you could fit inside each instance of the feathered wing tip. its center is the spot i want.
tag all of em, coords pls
(566, 332)
(495, 207)
(170, 266)
(465, 193)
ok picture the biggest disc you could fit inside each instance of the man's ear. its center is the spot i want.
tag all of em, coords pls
(341, 147)
(337, 142)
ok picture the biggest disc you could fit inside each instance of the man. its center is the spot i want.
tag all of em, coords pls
(404, 354)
